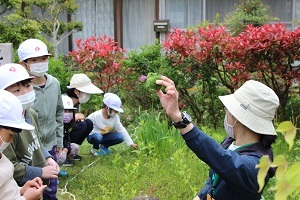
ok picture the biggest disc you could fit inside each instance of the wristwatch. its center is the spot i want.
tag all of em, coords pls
(186, 119)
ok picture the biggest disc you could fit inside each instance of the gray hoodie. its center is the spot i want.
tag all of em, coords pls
(49, 107)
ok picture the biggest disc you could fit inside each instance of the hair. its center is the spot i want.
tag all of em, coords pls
(16, 130)
(24, 82)
(104, 105)
(268, 140)
(71, 92)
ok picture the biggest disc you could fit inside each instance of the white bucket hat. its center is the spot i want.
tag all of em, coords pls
(12, 73)
(254, 105)
(32, 48)
(84, 84)
(113, 101)
(11, 114)
(68, 102)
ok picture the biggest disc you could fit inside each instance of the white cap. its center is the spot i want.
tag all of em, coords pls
(12, 73)
(68, 102)
(82, 83)
(113, 101)
(32, 48)
(11, 114)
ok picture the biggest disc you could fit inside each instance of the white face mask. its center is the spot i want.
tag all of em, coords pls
(229, 128)
(27, 100)
(111, 114)
(84, 97)
(39, 69)
(3, 145)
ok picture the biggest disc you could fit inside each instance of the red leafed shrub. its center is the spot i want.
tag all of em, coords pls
(102, 57)
(263, 53)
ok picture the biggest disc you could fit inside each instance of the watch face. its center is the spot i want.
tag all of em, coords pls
(186, 119)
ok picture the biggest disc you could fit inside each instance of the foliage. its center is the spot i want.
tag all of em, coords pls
(248, 12)
(7, 5)
(102, 57)
(135, 67)
(61, 71)
(15, 29)
(293, 112)
(162, 167)
(48, 13)
(262, 53)
(287, 173)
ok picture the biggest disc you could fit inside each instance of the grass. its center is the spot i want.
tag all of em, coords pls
(162, 167)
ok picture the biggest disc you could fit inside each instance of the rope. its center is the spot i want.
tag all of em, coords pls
(64, 190)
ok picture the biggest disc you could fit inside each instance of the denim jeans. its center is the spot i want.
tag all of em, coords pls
(106, 140)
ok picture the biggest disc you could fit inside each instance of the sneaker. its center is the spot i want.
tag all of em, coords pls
(62, 173)
(68, 163)
(94, 151)
(105, 150)
(77, 157)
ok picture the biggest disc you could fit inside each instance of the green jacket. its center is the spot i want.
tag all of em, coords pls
(27, 153)
(49, 107)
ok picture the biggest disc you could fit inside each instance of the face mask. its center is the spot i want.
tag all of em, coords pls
(229, 128)
(27, 100)
(3, 145)
(68, 117)
(39, 69)
(111, 114)
(84, 97)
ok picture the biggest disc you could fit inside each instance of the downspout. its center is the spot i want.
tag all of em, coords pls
(204, 10)
(293, 14)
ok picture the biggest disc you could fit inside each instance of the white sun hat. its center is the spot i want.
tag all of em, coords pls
(11, 114)
(67, 102)
(12, 73)
(113, 101)
(32, 48)
(254, 105)
(84, 84)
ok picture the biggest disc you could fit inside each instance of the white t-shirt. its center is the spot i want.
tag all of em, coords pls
(104, 126)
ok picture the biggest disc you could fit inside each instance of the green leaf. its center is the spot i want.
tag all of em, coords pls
(289, 131)
(293, 175)
(264, 166)
(281, 164)
(283, 189)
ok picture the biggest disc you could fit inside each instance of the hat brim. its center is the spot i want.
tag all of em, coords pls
(246, 117)
(89, 89)
(19, 80)
(118, 109)
(23, 126)
(35, 56)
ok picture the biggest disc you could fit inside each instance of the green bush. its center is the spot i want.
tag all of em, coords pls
(61, 71)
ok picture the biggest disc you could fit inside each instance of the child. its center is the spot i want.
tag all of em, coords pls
(70, 149)
(108, 130)
(79, 90)
(33, 55)
(12, 122)
(26, 152)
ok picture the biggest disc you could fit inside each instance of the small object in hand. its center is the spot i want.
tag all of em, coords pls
(151, 81)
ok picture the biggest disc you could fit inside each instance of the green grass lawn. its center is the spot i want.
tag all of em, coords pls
(126, 174)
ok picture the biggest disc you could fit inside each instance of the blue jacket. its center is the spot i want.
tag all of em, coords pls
(236, 169)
